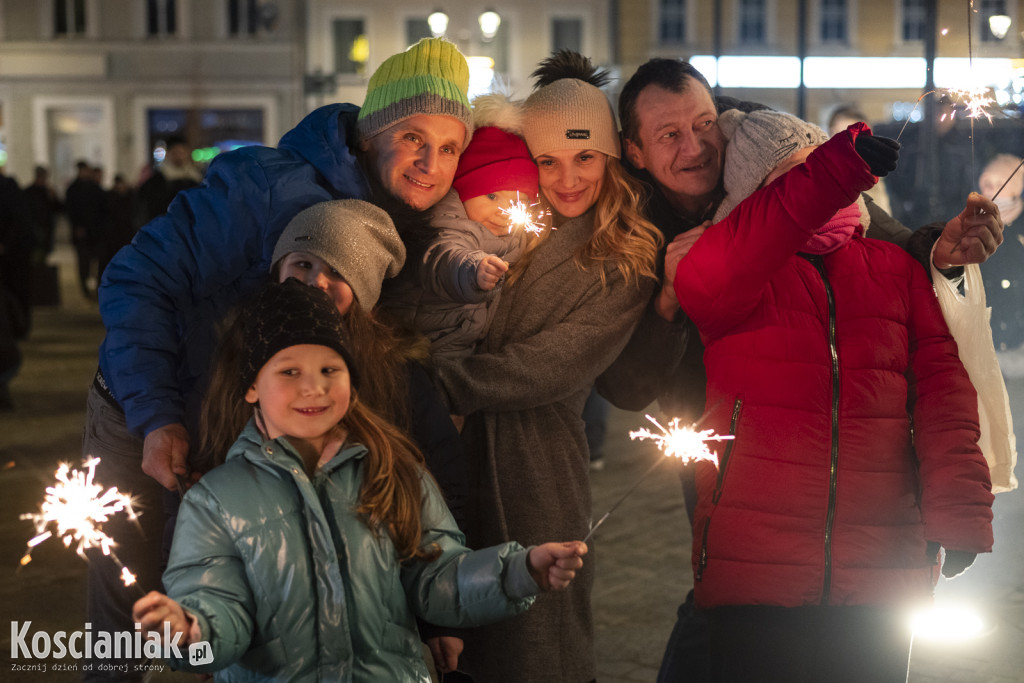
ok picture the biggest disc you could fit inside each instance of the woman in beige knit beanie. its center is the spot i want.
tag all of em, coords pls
(565, 313)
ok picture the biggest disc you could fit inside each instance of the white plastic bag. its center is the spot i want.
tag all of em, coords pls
(968, 316)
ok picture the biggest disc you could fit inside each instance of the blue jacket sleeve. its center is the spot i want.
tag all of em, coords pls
(212, 241)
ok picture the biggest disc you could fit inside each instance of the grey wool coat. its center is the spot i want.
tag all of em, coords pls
(555, 329)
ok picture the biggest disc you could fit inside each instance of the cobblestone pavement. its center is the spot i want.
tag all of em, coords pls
(641, 550)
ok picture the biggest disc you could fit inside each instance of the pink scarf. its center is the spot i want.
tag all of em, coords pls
(836, 232)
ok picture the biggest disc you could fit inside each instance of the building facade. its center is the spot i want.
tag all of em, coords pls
(868, 52)
(110, 81)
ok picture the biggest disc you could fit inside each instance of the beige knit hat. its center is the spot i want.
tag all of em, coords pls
(354, 237)
(569, 114)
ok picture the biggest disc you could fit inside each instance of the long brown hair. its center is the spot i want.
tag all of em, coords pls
(382, 350)
(391, 494)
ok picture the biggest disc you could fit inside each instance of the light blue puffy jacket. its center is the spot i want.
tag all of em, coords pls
(287, 584)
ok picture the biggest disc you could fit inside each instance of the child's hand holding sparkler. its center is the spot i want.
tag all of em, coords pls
(553, 565)
(972, 236)
(152, 610)
(489, 272)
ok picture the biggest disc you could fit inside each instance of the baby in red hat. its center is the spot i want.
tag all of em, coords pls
(448, 293)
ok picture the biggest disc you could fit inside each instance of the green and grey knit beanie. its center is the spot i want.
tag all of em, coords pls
(431, 77)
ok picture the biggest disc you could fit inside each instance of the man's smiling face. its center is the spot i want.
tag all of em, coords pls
(415, 159)
(678, 142)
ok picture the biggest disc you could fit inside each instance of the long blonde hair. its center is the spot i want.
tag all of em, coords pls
(621, 235)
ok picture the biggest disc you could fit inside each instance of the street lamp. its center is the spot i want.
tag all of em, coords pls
(438, 22)
(999, 24)
(489, 23)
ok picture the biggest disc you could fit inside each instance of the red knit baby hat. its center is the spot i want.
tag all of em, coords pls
(495, 160)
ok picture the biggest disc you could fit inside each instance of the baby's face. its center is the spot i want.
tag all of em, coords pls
(795, 159)
(490, 209)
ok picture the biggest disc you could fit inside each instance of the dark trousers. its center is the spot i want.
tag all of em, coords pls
(809, 644)
(142, 546)
(687, 658)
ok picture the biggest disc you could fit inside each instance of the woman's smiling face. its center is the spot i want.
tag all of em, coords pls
(571, 180)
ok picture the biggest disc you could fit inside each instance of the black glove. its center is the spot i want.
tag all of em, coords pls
(956, 562)
(880, 154)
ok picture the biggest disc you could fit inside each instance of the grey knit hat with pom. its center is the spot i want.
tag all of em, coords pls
(758, 142)
(354, 237)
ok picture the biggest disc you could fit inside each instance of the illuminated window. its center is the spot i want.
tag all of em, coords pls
(351, 49)
(69, 17)
(567, 34)
(833, 21)
(989, 8)
(672, 21)
(753, 18)
(208, 131)
(161, 17)
(914, 20)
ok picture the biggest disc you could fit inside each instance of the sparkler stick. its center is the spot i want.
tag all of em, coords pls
(911, 114)
(75, 507)
(685, 443)
(1007, 181)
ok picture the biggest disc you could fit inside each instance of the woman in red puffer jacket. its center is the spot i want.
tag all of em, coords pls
(855, 453)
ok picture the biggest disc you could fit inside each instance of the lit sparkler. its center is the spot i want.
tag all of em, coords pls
(685, 443)
(975, 100)
(73, 510)
(523, 216)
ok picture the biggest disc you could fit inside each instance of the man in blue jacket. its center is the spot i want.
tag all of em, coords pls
(163, 295)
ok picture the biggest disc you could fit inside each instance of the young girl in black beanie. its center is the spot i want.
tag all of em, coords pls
(308, 553)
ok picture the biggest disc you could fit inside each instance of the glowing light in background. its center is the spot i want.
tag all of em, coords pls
(481, 75)
(948, 623)
(438, 22)
(489, 23)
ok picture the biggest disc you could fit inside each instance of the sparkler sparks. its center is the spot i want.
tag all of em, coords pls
(523, 216)
(73, 510)
(975, 100)
(685, 443)
(127, 577)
